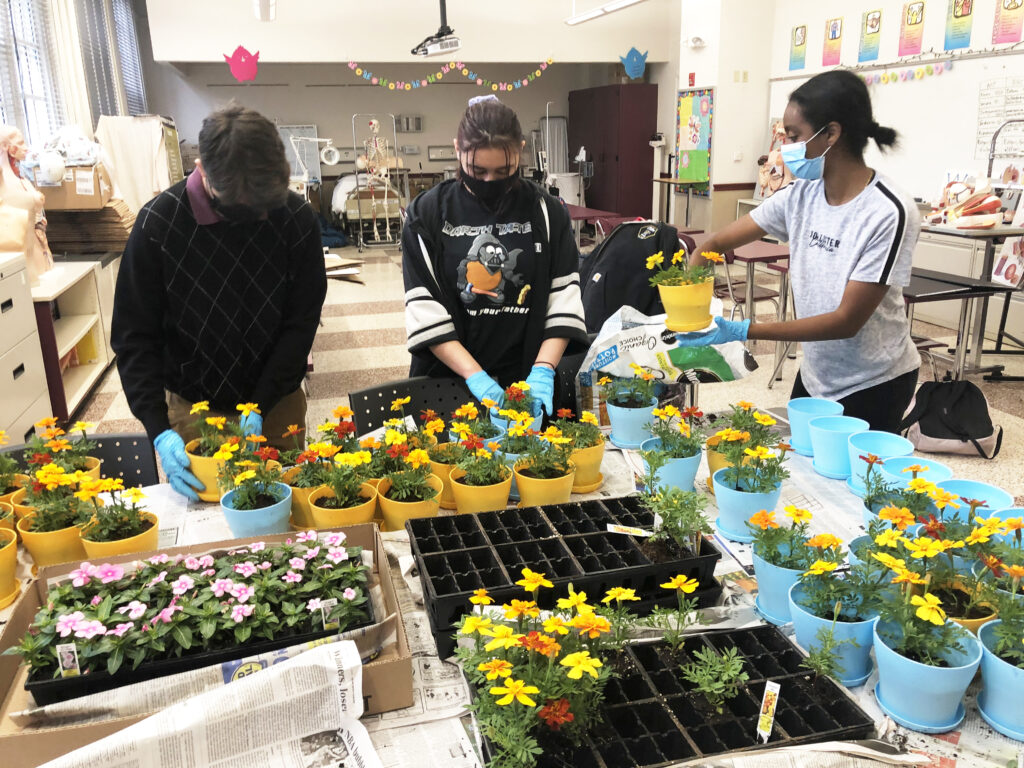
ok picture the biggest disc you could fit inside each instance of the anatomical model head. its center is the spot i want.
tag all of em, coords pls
(375, 126)
(13, 142)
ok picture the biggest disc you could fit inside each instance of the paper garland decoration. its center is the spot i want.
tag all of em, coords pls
(908, 75)
(453, 68)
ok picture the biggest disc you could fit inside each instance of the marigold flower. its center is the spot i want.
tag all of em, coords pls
(394, 437)
(588, 418)
(58, 445)
(713, 256)
(604, 381)
(342, 412)
(397, 403)
(994, 564)
(618, 594)
(481, 597)
(247, 408)
(434, 427)
(515, 690)
(256, 439)
(1015, 572)
(764, 419)
(924, 547)
(1012, 524)
(564, 413)
(369, 443)
(889, 538)
(226, 451)
(532, 581)
(682, 583)
(871, 459)
(503, 637)
(556, 625)
(516, 608)
(579, 663)
(134, 495)
(474, 624)
(824, 541)
(591, 624)
(820, 568)
(760, 453)
(217, 421)
(744, 405)
(679, 256)
(920, 485)
(82, 426)
(467, 411)
(241, 477)
(417, 458)
(904, 576)
(900, 517)
(798, 515)
(655, 260)
(49, 421)
(542, 644)
(575, 600)
(556, 714)
(943, 498)
(495, 668)
(928, 608)
(889, 561)
(200, 407)
(764, 520)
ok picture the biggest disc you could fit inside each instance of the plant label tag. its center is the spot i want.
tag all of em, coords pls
(766, 720)
(612, 528)
(325, 611)
(67, 656)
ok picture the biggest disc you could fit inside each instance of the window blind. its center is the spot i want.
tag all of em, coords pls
(96, 58)
(128, 57)
(36, 92)
(10, 113)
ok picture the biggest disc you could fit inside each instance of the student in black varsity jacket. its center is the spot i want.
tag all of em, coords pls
(492, 289)
(219, 293)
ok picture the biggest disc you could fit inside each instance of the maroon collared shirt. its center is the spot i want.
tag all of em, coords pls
(199, 199)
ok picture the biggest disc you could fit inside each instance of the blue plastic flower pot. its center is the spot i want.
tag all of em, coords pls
(922, 697)
(773, 585)
(881, 444)
(736, 507)
(800, 411)
(452, 437)
(892, 470)
(996, 499)
(853, 557)
(502, 424)
(258, 522)
(1006, 514)
(677, 473)
(854, 661)
(1002, 683)
(830, 442)
(630, 426)
(510, 462)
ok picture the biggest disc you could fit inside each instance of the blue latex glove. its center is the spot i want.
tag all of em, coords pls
(724, 331)
(175, 462)
(251, 424)
(483, 386)
(542, 388)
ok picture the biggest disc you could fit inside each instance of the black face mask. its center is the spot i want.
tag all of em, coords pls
(235, 212)
(488, 192)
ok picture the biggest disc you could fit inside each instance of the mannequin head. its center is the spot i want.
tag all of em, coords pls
(13, 142)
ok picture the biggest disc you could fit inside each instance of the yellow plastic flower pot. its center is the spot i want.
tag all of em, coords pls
(588, 476)
(716, 460)
(536, 492)
(973, 625)
(205, 469)
(302, 518)
(147, 541)
(688, 306)
(92, 467)
(17, 501)
(19, 480)
(10, 587)
(7, 516)
(336, 518)
(378, 518)
(479, 498)
(52, 547)
(442, 471)
(397, 512)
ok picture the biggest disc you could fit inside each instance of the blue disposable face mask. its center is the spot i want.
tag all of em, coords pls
(795, 157)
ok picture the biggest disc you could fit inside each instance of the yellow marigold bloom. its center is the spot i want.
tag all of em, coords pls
(394, 437)
(474, 624)
(353, 459)
(88, 491)
(49, 421)
(467, 411)
(798, 515)
(342, 412)
(556, 625)
(591, 625)
(495, 668)
(247, 408)
(1015, 572)
(461, 429)
(226, 451)
(900, 517)
(327, 426)
(1012, 524)
(920, 485)
(903, 576)
(915, 469)
(394, 423)
(397, 403)
(604, 380)
(256, 439)
(713, 256)
(518, 429)
(889, 538)
(417, 458)
(618, 594)
(820, 568)
(481, 597)
(487, 403)
(522, 386)
(50, 434)
(924, 547)
(532, 581)
(764, 420)
(434, 427)
(978, 536)
(760, 453)
(60, 444)
(483, 453)
(324, 450)
(684, 428)
(369, 443)
(581, 662)
(515, 690)
(682, 583)
(824, 541)
(992, 524)
(217, 421)
(944, 498)
(671, 411)
(655, 260)
(743, 404)
(241, 477)
(679, 256)
(575, 600)
(134, 495)
(3, 437)
(764, 520)
(503, 637)
(82, 426)
(928, 608)
(517, 608)
(889, 561)
(200, 407)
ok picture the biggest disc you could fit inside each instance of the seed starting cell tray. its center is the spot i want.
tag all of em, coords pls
(653, 717)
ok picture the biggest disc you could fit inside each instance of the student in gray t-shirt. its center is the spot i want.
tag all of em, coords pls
(851, 236)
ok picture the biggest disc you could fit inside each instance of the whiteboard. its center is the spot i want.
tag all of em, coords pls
(937, 118)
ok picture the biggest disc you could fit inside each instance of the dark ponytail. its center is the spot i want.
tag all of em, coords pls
(841, 97)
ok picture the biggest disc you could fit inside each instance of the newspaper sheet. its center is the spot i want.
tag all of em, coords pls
(301, 713)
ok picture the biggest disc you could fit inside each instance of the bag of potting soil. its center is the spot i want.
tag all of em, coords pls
(629, 337)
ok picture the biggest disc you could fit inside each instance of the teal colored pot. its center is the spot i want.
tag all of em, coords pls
(630, 426)
(996, 499)
(800, 411)
(922, 697)
(1006, 514)
(677, 473)
(855, 546)
(510, 460)
(258, 522)
(881, 444)
(830, 442)
(853, 659)
(892, 470)
(1002, 684)
(736, 507)
(773, 585)
(452, 437)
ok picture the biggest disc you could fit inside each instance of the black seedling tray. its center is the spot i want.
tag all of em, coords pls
(652, 717)
(566, 542)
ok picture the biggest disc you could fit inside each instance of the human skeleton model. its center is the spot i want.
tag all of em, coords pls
(18, 192)
(375, 164)
(772, 173)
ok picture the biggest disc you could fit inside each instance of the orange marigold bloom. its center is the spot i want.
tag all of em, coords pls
(591, 624)
(545, 645)
(900, 517)
(764, 520)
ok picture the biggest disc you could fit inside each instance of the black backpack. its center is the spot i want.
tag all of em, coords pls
(615, 274)
(951, 417)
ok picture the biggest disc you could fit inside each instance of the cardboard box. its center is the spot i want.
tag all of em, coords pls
(85, 188)
(387, 680)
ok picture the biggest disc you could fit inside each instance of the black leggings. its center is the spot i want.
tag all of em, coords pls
(882, 405)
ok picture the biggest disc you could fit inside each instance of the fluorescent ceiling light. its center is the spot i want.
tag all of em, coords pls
(617, 4)
(585, 16)
(609, 7)
(265, 10)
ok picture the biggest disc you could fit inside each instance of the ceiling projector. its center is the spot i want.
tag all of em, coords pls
(442, 42)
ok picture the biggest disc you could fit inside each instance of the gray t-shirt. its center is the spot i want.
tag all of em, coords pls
(869, 239)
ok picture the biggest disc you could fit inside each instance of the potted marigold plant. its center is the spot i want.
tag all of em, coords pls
(686, 291)
(517, 398)
(346, 498)
(545, 473)
(752, 482)
(52, 444)
(118, 526)
(308, 476)
(516, 442)
(629, 403)
(481, 480)
(538, 681)
(683, 524)
(51, 532)
(743, 424)
(587, 448)
(410, 491)
(678, 439)
(780, 555)
(1002, 641)
(467, 417)
(206, 452)
(443, 458)
(258, 502)
(11, 477)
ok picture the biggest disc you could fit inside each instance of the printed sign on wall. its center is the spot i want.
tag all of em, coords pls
(959, 21)
(833, 42)
(870, 33)
(912, 28)
(1009, 21)
(798, 47)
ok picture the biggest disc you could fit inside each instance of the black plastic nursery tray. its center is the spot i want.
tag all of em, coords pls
(652, 716)
(567, 542)
(61, 689)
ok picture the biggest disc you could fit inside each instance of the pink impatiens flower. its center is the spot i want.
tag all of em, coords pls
(305, 536)
(157, 579)
(246, 569)
(159, 559)
(69, 622)
(242, 592)
(121, 629)
(96, 600)
(349, 593)
(297, 563)
(182, 584)
(89, 629)
(220, 586)
(192, 563)
(337, 554)
(208, 572)
(81, 575)
(134, 609)
(264, 565)
(239, 612)
(292, 577)
(206, 561)
(314, 604)
(108, 573)
(311, 553)
(168, 613)
(258, 546)
(334, 539)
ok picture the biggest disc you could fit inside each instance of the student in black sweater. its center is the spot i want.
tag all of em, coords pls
(219, 293)
(492, 290)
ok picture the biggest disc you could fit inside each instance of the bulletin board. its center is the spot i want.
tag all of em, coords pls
(694, 119)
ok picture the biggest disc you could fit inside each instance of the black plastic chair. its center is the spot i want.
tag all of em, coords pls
(372, 406)
(128, 456)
